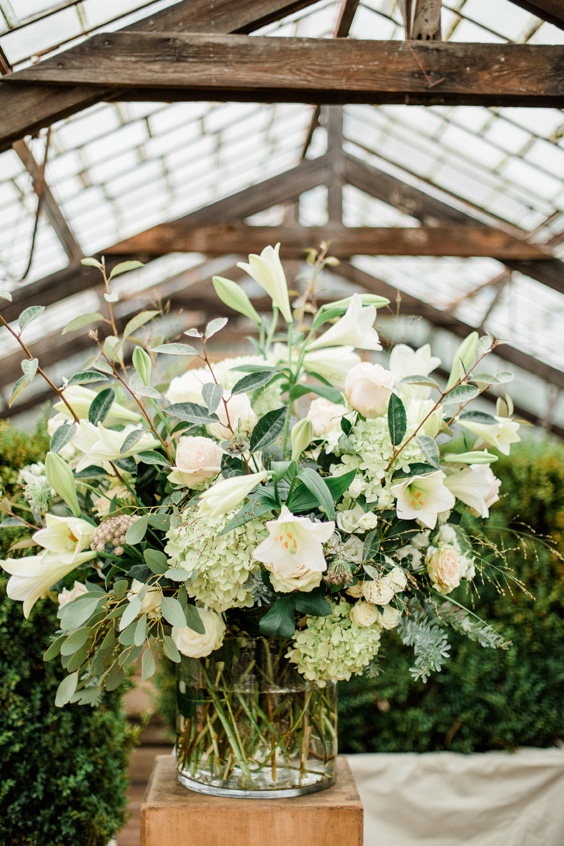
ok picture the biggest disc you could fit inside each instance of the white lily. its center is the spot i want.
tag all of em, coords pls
(267, 270)
(417, 410)
(405, 361)
(473, 486)
(226, 495)
(80, 398)
(294, 540)
(500, 435)
(65, 537)
(99, 444)
(333, 364)
(355, 329)
(423, 498)
(32, 577)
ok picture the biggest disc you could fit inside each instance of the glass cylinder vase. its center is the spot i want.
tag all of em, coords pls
(249, 725)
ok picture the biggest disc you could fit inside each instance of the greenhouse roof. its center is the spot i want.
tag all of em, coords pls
(112, 170)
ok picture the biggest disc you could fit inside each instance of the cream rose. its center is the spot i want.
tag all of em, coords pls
(188, 387)
(241, 415)
(388, 617)
(197, 459)
(66, 596)
(364, 614)
(302, 578)
(325, 416)
(368, 388)
(379, 592)
(196, 645)
(356, 591)
(444, 568)
(397, 579)
(151, 602)
(356, 520)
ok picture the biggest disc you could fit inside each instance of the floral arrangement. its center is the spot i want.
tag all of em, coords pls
(298, 493)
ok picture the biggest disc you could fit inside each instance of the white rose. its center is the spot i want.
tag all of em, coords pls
(356, 591)
(368, 388)
(241, 415)
(388, 617)
(379, 592)
(364, 614)
(397, 579)
(197, 459)
(196, 645)
(420, 540)
(445, 569)
(325, 416)
(302, 578)
(67, 596)
(188, 387)
(353, 550)
(151, 602)
(356, 520)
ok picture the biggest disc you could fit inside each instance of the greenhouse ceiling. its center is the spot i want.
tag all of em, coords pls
(456, 209)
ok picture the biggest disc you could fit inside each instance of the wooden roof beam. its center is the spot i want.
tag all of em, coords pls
(548, 10)
(26, 111)
(175, 66)
(422, 19)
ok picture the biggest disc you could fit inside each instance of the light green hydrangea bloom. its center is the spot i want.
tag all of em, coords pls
(265, 399)
(217, 566)
(333, 648)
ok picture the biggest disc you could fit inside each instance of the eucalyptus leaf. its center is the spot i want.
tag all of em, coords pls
(170, 649)
(29, 314)
(66, 690)
(115, 677)
(157, 561)
(132, 610)
(137, 530)
(193, 619)
(173, 612)
(175, 349)
(140, 631)
(150, 456)
(176, 574)
(148, 666)
(77, 612)
(82, 320)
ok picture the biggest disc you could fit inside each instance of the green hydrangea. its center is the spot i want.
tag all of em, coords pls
(264, 400)
(334, 648)
(217, 566)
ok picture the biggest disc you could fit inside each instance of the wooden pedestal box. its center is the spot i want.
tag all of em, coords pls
(171, 815)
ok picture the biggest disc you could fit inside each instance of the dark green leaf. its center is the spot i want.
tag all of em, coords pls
(313, 604)
(137, 530)
(86, 376)
(66, 690)
(371, 545)
(319, 488)
(416, 469)
(397, 420)
(231, 466)
(212, 395)
(173, 612)
(148, 665)
(268, 428)
(331, 394)
(429, 449)
(461, 394)
(131, 439)
(156, 561)
(100, 406)
(252, 381)
(193, 619)
(61, 436)
(191, 412)
(247, 513)
(29, 314)
(150, 456)
(346, 425)
(170, 649)
(339, 484)
(478, 417)
(279, 620)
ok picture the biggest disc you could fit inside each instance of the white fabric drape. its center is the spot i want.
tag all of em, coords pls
(448, 799)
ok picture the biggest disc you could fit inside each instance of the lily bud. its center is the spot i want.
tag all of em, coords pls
(227, 494)
(300, 437)
(464, 358)
(142, 364)
(60, 477)
(231, 294)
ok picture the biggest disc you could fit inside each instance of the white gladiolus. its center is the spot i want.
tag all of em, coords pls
(423, 498)
(99, 444)
(267, 270)
(65, 537)
(32, 577)
(227, 494)
(500, 435)
(294, 540)
(80, 398)
(195, 645)
(354, 329)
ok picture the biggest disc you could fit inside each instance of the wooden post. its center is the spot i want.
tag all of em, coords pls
(171, 815)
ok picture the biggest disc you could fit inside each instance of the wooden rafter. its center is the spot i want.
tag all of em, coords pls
(548, 10)
(422, 19)
(218, 239)
(26, 111)
(175, 66)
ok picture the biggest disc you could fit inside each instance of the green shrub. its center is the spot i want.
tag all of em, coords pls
(485, 699)
(62, 770)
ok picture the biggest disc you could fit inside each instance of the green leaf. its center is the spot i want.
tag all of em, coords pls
(82, 320)
(74, 641)
(160, 521)
(479, 417)
(170, 649)
(248, 512)
(29, 314)
(416, 469)
(120, 588)
(132, 610)
(131, 439)
(318, 487)
(61, 436)
(139, 320)
(5, 295)
(86, 376)
(279, 620)
(268, 428)
(173, 612)
(138, 387)
(176, 574)
(331, 394)
(20, 386)
(461, 394)
(339, 484)
(371, 545)
(124, 266)
(428, 381)
(101, 405)
(157, 561)
(54, 649)
(91, 262)
(191, 412)
(150, 456)
(429, 449)
(215, 326)
(140, 630)
(313, 604)
(115, 677)
(77, 612)
(397, 420)
(252, 381)
(193, 619)
(66, 690)
(137, 530)
(29, 368)
(148, 665)
(212, 395)
(175, 349)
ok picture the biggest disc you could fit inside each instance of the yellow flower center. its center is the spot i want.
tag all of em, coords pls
(417, 501)
(288, 541)
(72, 540)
